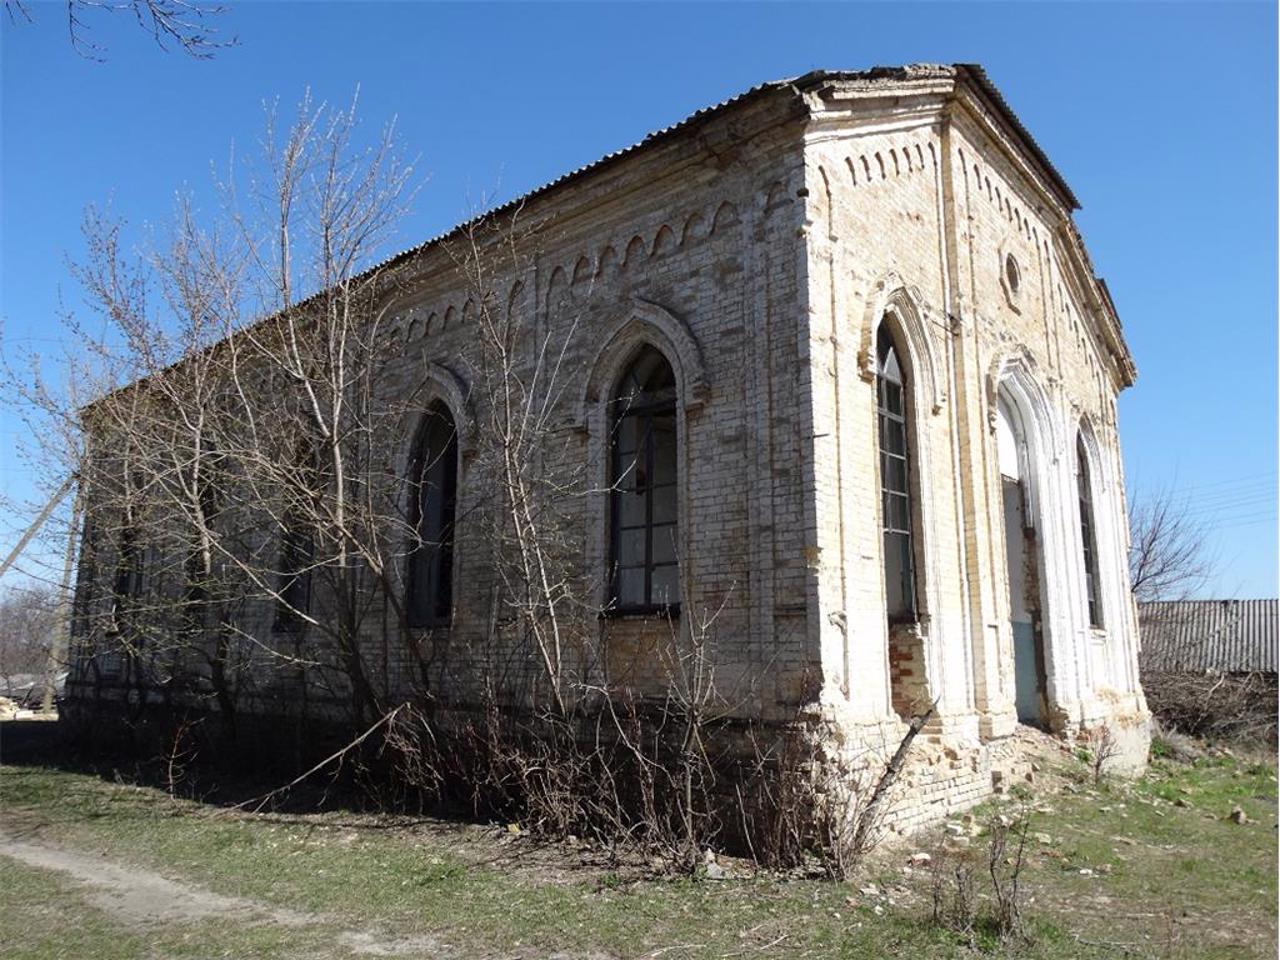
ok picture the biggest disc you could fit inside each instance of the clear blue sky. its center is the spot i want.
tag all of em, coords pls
(1162, 117)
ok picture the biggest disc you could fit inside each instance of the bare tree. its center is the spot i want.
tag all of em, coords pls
(186, 23)
(27, 625)
(1168, 553)
(212, 417)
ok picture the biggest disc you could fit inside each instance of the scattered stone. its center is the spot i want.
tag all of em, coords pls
(1181, 802)
(870, 890)
(920, 859)
(1042, 838)
(715, 872)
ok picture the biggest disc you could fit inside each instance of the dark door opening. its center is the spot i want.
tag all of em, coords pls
(1028, 653)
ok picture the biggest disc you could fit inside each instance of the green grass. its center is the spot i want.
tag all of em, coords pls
(1168, 881)
(46, 916)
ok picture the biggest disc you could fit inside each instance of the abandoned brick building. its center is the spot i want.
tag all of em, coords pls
(872, 386)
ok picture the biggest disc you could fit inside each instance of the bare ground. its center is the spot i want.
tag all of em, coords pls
(141, 899)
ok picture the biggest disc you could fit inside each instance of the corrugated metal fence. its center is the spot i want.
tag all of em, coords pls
(1226, 636)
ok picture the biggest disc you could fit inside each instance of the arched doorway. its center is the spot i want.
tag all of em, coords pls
(1022, 554)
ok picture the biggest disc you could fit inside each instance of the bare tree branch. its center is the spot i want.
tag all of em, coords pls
(189, 24)
(1168, 554)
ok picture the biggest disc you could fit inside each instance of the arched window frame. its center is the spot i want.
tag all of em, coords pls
(1086, 494)
(208, 487)
(898, 495)
(429, 593)
(296, 548)
(293, 593)
(127, 580)
(129, 575)
(1044, 442)
(643, 570)
(637, 322)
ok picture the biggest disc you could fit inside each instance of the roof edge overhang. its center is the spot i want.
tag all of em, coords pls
(922, 77)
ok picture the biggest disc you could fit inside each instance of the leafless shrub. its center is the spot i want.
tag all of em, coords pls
(798, 808)
(773, 796)
(1102, 748)
(1006, 845)
(182, 751)
(953, 892)
(851, 803)
(416, 772)
(846, 820)
(954, 882)
(1238, 708)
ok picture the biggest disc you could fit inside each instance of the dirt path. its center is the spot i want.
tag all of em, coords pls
(138, 898)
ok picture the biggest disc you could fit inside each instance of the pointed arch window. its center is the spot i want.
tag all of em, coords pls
(896, 508)
(297, 553)
(203, 478)
(434, 485)
(1088, 532)
(128, 575)
(303, 486)
(644, 568)
(127, 586)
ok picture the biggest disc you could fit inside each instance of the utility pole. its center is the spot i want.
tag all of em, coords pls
(62, 619)
(37, 524)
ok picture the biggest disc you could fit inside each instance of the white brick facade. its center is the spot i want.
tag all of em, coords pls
(758, 246)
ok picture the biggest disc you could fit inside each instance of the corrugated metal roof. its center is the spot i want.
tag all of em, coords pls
(659, 134)
(815, 78)
(972, 72)
(1230, 636)
(983, 82)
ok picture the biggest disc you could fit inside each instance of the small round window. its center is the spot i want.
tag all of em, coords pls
(1011, 273)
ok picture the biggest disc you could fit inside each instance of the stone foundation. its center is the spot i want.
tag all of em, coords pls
(948, 770)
